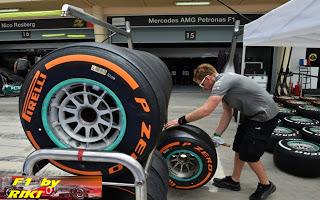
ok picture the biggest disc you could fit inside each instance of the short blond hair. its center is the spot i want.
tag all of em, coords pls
(202, 71)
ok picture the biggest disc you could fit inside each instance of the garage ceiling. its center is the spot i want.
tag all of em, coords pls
(33, 5)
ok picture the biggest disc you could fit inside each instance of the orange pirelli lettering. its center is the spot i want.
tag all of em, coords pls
(186, 144)
(93, 59)
(33, 95)
(115, 169)
(145, 130)
(200, 149)
(141, 146)
(169, 146)
(143, 103)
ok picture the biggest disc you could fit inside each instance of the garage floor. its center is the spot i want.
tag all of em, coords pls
(15, 147)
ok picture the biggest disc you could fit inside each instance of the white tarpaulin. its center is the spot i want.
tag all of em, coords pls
(296, 24)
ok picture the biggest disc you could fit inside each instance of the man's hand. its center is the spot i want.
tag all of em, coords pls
(171, 123)
(218, 140)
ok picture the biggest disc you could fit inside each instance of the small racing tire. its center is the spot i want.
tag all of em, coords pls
(280, 133)
(191, 159)
(298, 122)
(309, 111)
(311, 133)
(298, 157)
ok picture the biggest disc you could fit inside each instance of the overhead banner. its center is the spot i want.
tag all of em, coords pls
(38, 24)
(182, 20)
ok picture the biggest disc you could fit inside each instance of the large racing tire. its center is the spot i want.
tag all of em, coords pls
(166, 81)
(295, 103)
(96, 97)
(153, 60)
(298, 122)
(157, 183)
(280, 133)
(162, 84)
(311, 133)
(298, 157)
(190, 155)
(309, 111)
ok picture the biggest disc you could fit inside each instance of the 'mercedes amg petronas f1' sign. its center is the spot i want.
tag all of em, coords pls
(181, 20)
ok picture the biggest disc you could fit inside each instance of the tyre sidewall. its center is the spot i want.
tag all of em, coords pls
(204, 154)
(297, 161)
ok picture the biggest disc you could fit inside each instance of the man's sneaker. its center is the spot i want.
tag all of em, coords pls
(263, 191)
(227, 183)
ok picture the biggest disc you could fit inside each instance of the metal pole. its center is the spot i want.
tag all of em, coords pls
(128, 29)
(92, 156)
(243, 65)
(80, 13)
(229, 67)
(243, 60)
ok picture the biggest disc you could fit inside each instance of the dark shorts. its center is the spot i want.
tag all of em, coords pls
(252, 138)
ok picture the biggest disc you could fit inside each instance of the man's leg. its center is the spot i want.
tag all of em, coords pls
(231, 182)
(265, 187)
(237, 167)
(258, 169)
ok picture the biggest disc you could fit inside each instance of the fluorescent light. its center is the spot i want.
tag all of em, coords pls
(8, 10)
(192, 3)
(53, 35)
(33, 14)
(76, 36)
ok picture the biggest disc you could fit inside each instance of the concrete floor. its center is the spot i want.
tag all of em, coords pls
(15, 147)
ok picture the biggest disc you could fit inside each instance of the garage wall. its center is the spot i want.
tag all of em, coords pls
(177, 35)
(300, 53)
(40, 34)
(180, 28)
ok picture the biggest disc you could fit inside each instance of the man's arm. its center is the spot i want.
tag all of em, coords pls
(225, 118)
(206, 109)
(201, 112)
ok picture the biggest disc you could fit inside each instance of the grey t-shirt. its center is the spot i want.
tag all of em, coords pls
(243, 94)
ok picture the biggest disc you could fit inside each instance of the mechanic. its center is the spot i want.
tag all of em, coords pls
(259, 110)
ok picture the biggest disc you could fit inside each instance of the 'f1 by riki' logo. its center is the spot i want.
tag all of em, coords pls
(33, 95)
(31, 193)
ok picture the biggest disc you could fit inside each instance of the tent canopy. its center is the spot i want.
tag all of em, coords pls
(295, 24)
